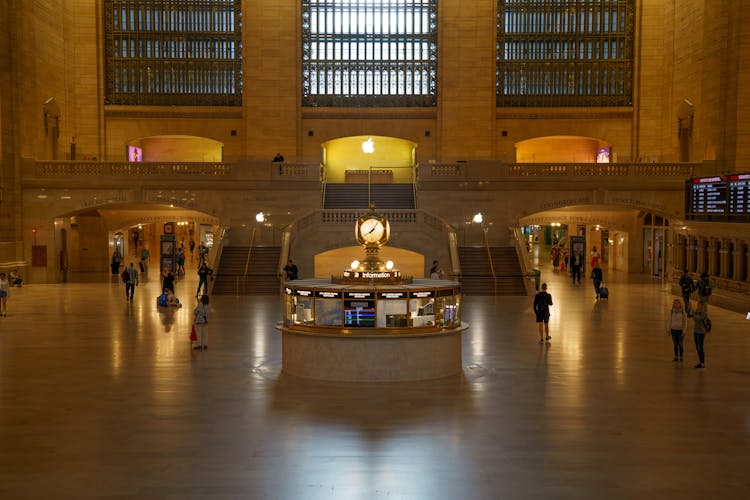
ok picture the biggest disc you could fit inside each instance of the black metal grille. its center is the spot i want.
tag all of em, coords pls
(565, 52)
(173, 52)
(361, 53)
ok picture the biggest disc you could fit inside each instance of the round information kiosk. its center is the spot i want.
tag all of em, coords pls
(371, 323)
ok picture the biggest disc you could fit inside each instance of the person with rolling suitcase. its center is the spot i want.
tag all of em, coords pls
(597, 276)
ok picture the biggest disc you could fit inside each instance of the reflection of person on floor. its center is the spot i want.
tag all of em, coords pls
(542, 303)
(203, 273)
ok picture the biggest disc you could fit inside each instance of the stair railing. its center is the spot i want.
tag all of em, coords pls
(323, 185)
(522, 254)
(250, 251)
(216, 257)
(489, 257)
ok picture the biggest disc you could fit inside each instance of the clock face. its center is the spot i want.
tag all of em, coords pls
(371, 230)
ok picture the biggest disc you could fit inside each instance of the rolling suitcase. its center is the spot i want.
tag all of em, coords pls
(603, 291)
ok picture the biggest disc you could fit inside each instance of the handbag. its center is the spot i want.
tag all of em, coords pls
(193, 334)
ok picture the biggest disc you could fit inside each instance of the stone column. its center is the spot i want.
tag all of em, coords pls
(724, 258)
(691, 254)
(713, 257)
(737, 260)
(700, 252)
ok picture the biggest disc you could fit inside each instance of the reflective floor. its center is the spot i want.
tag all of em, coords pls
(101, 398)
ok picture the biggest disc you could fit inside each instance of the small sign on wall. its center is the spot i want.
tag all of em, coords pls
(39, 255)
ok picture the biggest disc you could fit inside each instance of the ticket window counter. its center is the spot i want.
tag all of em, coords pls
(300, 310)
(422, 312)
(328, 312)
(392, 314)
(448, 311)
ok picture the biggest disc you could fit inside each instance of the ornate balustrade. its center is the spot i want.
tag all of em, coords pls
(488, 171)
(496, 171)
(249, 170)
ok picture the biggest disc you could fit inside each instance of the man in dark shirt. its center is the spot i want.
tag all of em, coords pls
(542, 303)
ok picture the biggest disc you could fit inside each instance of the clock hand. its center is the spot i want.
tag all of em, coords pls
(371, 230)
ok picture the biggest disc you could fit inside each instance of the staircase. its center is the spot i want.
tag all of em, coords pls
(476, 272)
(261, 278)
(385, 196)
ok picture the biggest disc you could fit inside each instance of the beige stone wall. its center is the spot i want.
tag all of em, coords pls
(271, 85)
(466, 84)
(692, 49)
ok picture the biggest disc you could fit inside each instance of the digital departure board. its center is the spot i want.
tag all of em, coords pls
(708, 198)
(739, 195)
(719, 198)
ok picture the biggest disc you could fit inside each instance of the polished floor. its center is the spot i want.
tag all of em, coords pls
(101, 398)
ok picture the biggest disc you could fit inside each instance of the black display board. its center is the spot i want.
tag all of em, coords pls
(739, 197)
(721, 198)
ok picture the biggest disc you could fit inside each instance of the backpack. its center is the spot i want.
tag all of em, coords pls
(687, 284)
(704, 288)
(125, 276)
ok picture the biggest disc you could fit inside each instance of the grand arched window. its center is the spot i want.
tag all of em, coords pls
(173, 52)
(361, 53)
(565, 52)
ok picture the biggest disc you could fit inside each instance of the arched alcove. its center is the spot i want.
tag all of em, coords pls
(333, 262)
(359, 153)
(177, 148)
(562, 148)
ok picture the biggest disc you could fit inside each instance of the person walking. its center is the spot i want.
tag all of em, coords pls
(436, 272)
(291, 270)
(191, 246)
(167, 279)
(181, 262)
(676, 326)
(4, 292)
(145, 257)
(200, 320)
(576, 263)
(687, 287)
(542, 303)
(116, 261)
(595, 257)
(704, 288)
(701, 326)
(597, 276)
(131, 282)
(203, 273)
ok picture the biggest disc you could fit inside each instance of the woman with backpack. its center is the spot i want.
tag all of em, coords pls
(702, 325)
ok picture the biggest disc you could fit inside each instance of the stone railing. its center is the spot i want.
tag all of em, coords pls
(486, 170)
(248, 170)
(496, 171)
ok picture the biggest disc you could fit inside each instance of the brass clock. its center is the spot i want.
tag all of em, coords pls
(372, 229)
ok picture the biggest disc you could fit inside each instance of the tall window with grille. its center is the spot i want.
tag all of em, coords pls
(565, 52)
(173, 52)
(366, 53)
